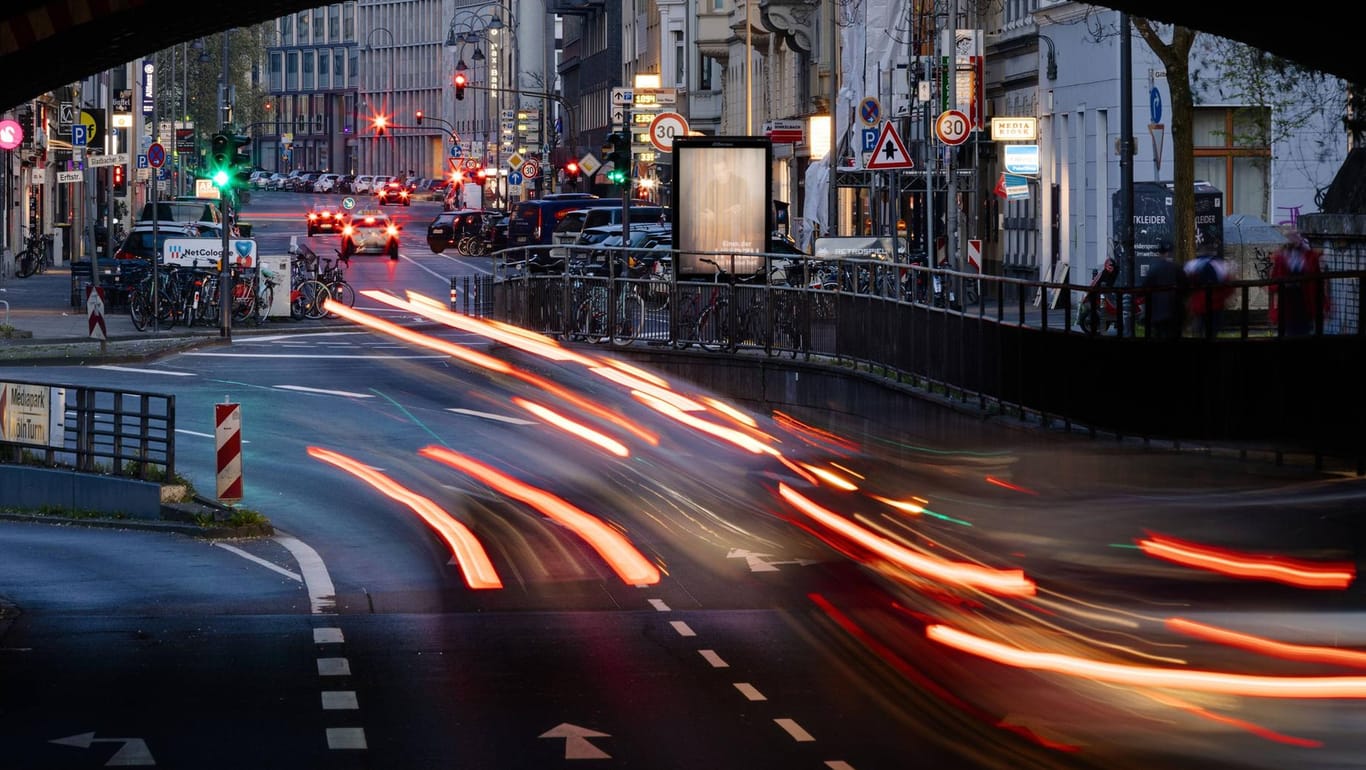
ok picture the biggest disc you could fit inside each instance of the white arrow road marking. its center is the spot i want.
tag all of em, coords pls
(132, 753)
(253, 557)
(325, 392)
(576, 745)
(756, 562)
(492, 416)
(112, 368)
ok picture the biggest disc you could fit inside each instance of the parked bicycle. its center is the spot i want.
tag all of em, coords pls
(35, 257)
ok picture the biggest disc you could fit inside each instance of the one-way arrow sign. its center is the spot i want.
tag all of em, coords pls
(576, 745)
(889, 153)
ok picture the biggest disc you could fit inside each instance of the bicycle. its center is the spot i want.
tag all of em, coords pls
(706, 322)
(591, 321)
(333, 276)
(34, 258)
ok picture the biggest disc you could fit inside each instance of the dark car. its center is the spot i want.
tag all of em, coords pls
(394, 192)
(325, 220)
(450, 226)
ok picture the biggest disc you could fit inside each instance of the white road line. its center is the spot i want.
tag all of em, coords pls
(294, 338)
(334, 667)
(749, 691)
(321, 595)
(345, 738)
(492, 416)
(715, 660)
(113, 368)
(325, 392)
(356, 357)
(259, 560)
(839, 764)
(327, 636)
(340, 700)
(659, 605)
(795, 730)
(202, 435)
(682, 628)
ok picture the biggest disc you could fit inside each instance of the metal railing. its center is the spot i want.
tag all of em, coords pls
(115, 432)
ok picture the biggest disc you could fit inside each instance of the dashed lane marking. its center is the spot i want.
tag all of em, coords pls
(750, 691)
(795, 730)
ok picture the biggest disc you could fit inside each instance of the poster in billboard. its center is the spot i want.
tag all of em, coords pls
(722, 210)
(1153, 218)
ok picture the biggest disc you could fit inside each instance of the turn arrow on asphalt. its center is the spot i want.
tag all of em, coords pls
(576, 745)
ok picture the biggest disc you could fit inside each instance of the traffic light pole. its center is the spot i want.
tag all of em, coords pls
(626, 188)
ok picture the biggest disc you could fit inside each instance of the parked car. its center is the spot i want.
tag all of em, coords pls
(370, 233)
(448, 227)
(362, 184)
(140, 243)
(325, 183)
(191, 211)
(344, 183)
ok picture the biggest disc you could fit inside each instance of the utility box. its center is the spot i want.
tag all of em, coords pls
(1153, 216)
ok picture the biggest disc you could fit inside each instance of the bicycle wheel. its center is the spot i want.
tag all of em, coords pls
(243, 301)
(971, 292)
(713, 327)
(341, 291)
(138, 309)
(590, 321)
(312, 295)
(263, 303)
(630, 318)
(24, 264)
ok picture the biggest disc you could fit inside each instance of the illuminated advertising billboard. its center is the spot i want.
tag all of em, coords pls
(722, 205)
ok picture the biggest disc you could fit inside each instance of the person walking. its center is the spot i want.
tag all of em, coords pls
(1296, 305)
(1163, 287)
(1207, 277)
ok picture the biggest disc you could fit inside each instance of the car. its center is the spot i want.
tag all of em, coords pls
(371, 232)
(362, 183)
(142, 243)
(394, 192)
(448, 227)
(192, 211)
(325, 220)
(325, 183)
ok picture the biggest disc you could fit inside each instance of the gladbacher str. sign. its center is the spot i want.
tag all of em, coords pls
(32, 414)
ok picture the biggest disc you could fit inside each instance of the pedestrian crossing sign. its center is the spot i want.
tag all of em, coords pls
(889, 153)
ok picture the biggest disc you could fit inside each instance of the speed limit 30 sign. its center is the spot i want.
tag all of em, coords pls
(666, 127)
(952, 127)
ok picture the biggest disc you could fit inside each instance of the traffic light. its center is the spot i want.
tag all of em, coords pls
(617, 149)
(119, 187)
(220, 160)
(571, 171)
(460, 85)
(380, 122)
(419, 117)
(241, 161)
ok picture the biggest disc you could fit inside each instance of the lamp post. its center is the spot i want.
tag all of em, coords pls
(489, 31)
(389, 67)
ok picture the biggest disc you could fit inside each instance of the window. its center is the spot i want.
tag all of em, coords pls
(303, 27)
(286, 30)
(680, 68)
(277, 72)
(351, 68)
(1231, 153)
(703, 73)
(349, 23)
(319, 31)
(292, 71)
(324, 69)
(309, 81)
(339, 68)
(333, 23)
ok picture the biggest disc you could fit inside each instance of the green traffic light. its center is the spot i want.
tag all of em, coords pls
(220, 178)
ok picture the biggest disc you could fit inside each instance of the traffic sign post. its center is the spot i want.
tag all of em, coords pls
(664, 128)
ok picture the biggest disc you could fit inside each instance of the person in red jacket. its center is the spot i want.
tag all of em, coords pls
(1296, 305)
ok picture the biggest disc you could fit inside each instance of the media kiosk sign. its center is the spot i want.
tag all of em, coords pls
(722, 208)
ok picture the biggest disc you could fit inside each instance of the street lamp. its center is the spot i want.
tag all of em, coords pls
(468, 26)
(386, 105)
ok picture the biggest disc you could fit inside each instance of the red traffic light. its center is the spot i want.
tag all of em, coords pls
(460, 85)
(379, 122)
(419, 117)
(571, 168)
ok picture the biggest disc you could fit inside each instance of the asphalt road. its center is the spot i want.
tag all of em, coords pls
(678, 584)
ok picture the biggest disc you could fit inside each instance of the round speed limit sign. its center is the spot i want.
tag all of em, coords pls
(952, 127)
(666, 127)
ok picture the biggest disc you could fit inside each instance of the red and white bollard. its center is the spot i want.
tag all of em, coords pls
(227, 436)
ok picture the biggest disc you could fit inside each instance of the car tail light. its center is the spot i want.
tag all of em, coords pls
(393, 230)
(312, 216)
(346, 230)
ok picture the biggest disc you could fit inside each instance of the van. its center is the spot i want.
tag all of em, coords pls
(533, 222)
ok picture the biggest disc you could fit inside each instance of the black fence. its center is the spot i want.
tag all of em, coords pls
(94, 430)
(1015, 346)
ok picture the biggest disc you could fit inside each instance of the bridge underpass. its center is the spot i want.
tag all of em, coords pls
(56, 42)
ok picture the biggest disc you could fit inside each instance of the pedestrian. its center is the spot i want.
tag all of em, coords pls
(1296, 305)
(1163, 287)
(1207, 277)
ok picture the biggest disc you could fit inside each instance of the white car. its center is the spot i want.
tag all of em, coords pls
(326, 183)
(362, 184)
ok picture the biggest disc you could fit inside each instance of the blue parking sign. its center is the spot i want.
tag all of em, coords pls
(870, 136)
(78, 134)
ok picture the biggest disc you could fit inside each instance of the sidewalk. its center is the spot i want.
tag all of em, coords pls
(39, 326)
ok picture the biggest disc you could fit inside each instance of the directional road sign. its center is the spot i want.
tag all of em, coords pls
(515, 178)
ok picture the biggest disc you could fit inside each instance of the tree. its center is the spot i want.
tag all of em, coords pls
(1175, 58)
